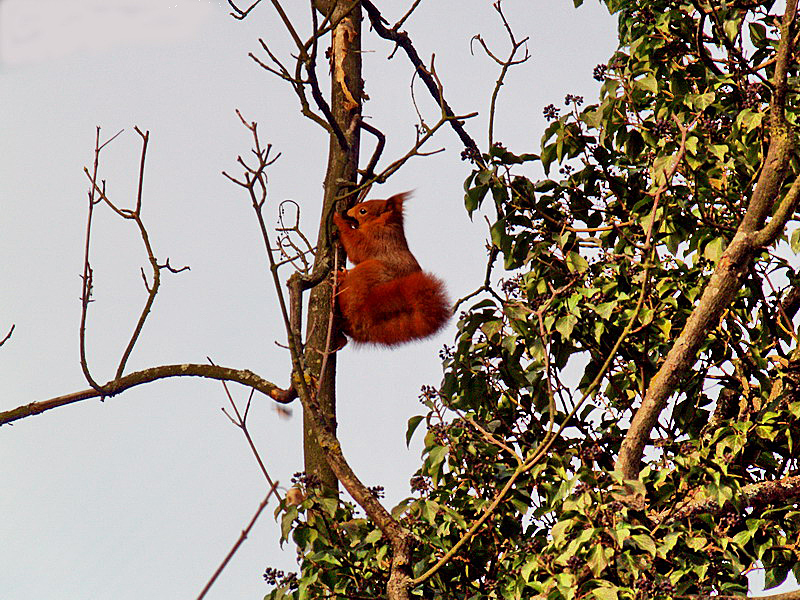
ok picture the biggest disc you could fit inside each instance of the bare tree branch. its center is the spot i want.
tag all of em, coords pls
(116, 386)
(98, 188)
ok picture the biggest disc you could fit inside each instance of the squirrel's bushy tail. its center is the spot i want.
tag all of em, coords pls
(408, 308)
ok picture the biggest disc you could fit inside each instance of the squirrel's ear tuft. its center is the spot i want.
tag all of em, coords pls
(396, 202)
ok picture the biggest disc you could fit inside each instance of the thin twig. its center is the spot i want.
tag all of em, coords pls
(8, 335)
(376, 155)
(241, 422)
(403, 19)
(505, 64)
(401, 39)
(239, 13)
(239, 542)
(86, 289)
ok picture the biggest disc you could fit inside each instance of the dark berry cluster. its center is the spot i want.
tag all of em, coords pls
(420, 483)
(572, 99)
(428, 392)
(278, 577)
(751, 96)
(717, 127)
(574, 563)
(273, 576)
(532, 544)
(675, 48)
(589, 453)
(512, 286)
(446, 352)
(728, 519)
(615, 506)
(599, 72)
(647, 588)
(471, 154)
(377, 491)
(439, 432)
(302, 478)
(551, 112)
(661, 128)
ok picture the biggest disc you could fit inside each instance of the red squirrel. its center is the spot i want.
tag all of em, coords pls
(386, 298)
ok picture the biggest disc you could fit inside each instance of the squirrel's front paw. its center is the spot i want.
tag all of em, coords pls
(339, 278)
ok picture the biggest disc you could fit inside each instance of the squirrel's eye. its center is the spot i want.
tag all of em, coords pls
(362, 211)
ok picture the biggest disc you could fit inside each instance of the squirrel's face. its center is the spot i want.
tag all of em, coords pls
(379, 212)
(364, 212)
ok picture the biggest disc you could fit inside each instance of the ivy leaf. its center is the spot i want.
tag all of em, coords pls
(606, 309)
(474, 197)
(565, 325)
(714, 249)
(576, 263)
(794, 241)
(528, 568)
(749, 120)
(286, 521)
(606, 593)
(645, 542)
(413, 423)
(701, 101)
(648, 83)
(599, 558)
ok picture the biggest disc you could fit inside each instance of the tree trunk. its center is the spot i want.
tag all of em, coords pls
(340, 178)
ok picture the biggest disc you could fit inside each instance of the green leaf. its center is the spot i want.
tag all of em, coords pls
(286, 521)
(648, 83)
(492, 328)
(474, 197)
(758, 33)
(714, 249)
(576, 263)
(697, 543)
(718, 150)
(565, 325)
(741, 538)
(437, 455)
(645, 542)
(749, 120)
(794, 241)
(413, 423)
(560, 529)
(731, 28)
(599, 559)
(528, 567)
(373, 536)
(667, 544)
(429, 511)
(606, 593)
(701, 101)
(606, 309)
(331, 505)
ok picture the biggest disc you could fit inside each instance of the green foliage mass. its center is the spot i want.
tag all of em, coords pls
(604, 262)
